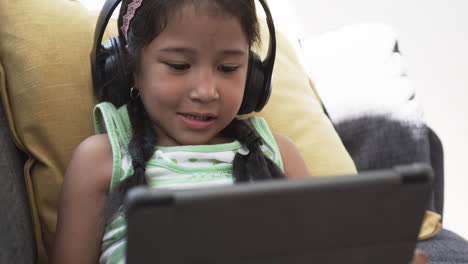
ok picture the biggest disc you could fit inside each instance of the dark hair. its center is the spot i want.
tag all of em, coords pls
(149, 21)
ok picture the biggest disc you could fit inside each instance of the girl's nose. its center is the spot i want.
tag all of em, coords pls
(204, 89)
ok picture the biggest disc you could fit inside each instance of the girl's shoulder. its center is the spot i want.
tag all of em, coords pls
(84, 192)
(92, 161)
(294, 164)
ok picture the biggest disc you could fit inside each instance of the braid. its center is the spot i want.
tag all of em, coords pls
(141, 148)
(255, 165)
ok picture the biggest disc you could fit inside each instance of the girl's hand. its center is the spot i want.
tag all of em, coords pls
(420, 257)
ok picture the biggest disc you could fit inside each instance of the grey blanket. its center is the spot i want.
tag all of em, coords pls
(379, 142)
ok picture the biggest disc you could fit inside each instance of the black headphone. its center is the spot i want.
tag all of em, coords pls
(112, 83)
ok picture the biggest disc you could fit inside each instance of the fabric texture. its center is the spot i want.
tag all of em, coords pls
(17, 236)
(48, 100)
(179, 167)
(445, 248)
(372, 105)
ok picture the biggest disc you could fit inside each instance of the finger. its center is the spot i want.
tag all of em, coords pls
(420, 257)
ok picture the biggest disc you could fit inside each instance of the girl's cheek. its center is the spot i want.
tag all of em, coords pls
(157, 74)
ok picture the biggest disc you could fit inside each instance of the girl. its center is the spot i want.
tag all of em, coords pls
(188, 64)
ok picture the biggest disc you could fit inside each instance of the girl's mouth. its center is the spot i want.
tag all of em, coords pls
(197, 120)
(198, 117)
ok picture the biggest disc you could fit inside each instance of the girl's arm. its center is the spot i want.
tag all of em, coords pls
(294, 164)
(84, 191)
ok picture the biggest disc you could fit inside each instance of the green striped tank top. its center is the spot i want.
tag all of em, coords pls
(179, 167)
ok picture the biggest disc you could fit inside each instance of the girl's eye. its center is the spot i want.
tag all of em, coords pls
(227, 69)
(178, 66)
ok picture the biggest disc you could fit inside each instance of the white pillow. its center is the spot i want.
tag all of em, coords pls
(356, 71)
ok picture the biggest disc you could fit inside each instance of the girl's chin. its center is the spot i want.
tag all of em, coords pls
(194, 139)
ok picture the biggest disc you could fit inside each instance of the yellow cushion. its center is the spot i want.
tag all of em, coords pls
(47, 95)
(431, 225)
(48, 99)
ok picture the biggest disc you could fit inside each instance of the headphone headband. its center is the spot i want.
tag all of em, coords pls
(269, 61)
(101, 24)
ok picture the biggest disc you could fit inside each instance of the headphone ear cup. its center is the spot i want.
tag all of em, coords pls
(115, 82)
(254, 87)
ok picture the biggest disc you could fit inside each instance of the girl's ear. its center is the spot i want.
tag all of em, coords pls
(136, 81)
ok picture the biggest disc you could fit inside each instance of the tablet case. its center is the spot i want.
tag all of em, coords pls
(372, 217)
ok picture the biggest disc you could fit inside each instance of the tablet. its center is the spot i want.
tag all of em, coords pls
(372, 217)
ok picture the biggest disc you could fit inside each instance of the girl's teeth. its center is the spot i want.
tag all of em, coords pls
(198, 118)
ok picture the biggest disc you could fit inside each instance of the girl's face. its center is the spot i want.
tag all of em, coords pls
(192, 77)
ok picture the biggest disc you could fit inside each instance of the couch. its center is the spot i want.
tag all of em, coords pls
(46, 107)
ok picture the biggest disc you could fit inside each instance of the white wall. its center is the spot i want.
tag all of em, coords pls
(433, 36)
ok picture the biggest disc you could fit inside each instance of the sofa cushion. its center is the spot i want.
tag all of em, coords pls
(445, 248)
(48, 99)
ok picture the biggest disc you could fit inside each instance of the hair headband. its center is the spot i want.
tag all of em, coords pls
(127, 18)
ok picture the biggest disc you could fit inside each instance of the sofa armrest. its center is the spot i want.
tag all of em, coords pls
(437, 163)
(17, 236)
